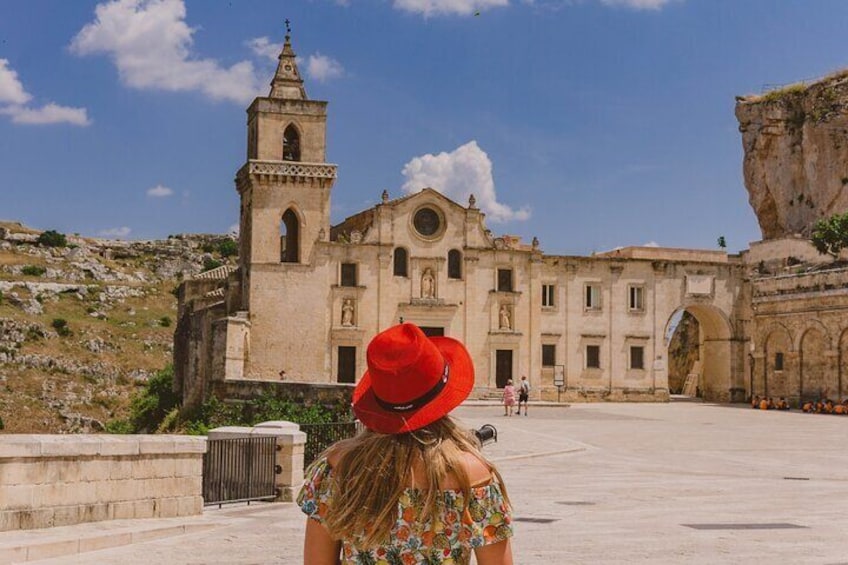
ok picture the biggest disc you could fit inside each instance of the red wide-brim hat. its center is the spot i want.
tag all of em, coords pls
(412, 380)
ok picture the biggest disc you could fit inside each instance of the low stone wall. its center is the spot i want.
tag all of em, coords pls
(53, 480)
(575, 395)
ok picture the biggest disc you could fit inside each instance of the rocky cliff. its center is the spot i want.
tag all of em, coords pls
(796, 154)
(84, 324)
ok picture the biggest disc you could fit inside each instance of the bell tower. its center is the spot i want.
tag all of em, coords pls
(285, 184)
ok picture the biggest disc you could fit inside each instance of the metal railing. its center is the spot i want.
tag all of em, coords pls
(321, 436)
(239, 470)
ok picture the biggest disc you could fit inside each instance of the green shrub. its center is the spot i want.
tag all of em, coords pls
(34, 333)
(228, 248)
(119, 427)
(210, 264)
(165, 321)
(33, 270)
(61, 327)
(52, 238)
(170, 422)
(214, 413)
(150, 406)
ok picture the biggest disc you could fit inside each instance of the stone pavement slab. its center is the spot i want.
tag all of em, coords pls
(604, 484)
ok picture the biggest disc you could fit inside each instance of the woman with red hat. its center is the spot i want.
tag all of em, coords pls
(413, 487)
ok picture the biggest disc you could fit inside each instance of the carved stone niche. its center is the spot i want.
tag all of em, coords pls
(348, 313)
(505, 317)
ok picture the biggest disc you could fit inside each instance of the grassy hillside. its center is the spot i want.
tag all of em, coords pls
(82, 326)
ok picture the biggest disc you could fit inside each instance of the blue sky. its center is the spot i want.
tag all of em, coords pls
(588, 123)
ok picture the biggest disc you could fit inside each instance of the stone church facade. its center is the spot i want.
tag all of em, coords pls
(308, 296)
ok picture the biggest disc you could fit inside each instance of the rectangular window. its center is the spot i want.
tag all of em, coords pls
(348, 274)
(637, 357)
(593, 297)
(504, 280)
(346, 364)
(548, 355)
(548, 295)
(778, 361)
(593, 356)
(637, 298)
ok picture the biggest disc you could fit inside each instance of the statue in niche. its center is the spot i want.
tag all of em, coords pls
(428, 284)
(347, 312)
(506, 323)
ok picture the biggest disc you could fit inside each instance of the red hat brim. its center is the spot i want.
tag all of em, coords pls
(457, 389)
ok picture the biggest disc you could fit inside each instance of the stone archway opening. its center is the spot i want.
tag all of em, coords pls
(698, 339)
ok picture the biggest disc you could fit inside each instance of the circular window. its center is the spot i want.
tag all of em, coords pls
(427, 222)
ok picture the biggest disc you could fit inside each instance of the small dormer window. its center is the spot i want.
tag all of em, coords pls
(291, 144)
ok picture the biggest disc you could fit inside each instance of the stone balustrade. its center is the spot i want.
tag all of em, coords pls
(60, 480)
(820, 283)
(292, 169)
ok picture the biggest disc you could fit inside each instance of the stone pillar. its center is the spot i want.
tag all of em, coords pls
(291, 443)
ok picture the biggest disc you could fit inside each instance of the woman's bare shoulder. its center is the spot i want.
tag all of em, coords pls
(478, 471)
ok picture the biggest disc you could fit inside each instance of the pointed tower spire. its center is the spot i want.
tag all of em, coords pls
(287, 82)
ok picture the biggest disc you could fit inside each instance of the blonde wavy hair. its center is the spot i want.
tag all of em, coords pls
(371, 471)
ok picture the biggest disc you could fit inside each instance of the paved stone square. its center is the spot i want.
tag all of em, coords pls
(607, 483)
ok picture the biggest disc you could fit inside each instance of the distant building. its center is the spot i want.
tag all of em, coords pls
(307, 297)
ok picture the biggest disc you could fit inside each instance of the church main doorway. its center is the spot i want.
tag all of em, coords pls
(503, 367)
(431, 331)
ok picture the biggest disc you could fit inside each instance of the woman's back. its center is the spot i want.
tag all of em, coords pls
(459, 527)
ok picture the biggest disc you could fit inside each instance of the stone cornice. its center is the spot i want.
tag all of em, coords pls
(322, 174)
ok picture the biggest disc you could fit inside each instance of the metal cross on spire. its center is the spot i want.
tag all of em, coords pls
(288, 28)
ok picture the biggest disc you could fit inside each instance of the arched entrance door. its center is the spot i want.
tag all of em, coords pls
(716, 373)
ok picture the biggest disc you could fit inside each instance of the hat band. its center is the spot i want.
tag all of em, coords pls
(418, 402)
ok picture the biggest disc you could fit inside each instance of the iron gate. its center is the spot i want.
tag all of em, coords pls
(239, 469)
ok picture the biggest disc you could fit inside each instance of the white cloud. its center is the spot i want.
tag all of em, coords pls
(638, 4)
(11, 89)
(13, 96)
(464, 171)
(150, 44)
(117, 233)
(159, 191)
(233, 230)
(323, 68)
(48, 114)
(429, 8)
(263, 47)
(651, 244)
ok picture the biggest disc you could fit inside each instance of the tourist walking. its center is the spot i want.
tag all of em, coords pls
(508, 398)
(523, 394)
(412, 487)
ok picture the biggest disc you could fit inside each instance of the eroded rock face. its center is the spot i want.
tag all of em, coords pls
(796, 154)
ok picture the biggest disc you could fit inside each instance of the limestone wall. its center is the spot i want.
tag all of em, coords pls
(50, 480)
(800, 336)
(795, 154)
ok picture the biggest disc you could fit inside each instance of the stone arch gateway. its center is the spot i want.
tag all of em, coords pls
(714, 366)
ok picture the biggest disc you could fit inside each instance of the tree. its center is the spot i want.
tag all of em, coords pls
(830, 235)
(228, 248)
(722, 243)
(52, 238)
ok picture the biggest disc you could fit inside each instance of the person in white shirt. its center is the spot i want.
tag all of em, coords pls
(523, 394)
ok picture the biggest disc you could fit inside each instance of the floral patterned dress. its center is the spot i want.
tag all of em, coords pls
(448, 541)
